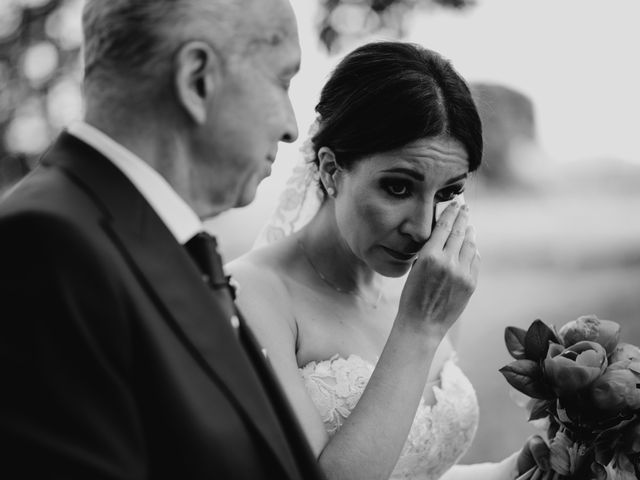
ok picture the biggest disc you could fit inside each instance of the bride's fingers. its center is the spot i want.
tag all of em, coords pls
(443, 227)
(458, 233)
(475, 266)
(469, 249)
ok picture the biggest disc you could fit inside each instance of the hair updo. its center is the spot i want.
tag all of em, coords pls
(385, 95)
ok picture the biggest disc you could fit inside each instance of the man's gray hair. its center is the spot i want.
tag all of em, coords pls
(133, 41)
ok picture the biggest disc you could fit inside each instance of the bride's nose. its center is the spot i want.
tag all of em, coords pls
(418, 222)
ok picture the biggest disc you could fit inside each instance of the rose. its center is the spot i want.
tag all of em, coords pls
(592, 329)
(625, 352)
(572, 369)
(619, 468)
(617, 389)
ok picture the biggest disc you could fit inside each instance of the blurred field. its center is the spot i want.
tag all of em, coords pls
(552, 256)
(569, 249)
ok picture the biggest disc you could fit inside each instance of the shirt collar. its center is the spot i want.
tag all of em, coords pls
(179, 217)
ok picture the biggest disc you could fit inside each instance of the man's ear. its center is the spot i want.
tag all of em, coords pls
(329, 170)
(196, 74)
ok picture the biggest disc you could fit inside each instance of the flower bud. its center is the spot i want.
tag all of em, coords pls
(616, 390)
(592, 329)
(575, 367)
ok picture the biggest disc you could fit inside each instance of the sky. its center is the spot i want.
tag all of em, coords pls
(578, 60)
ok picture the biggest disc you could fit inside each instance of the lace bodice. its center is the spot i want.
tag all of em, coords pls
(440, 433)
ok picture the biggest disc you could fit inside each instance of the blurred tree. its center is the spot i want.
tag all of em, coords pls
(509, 133)
(40, 65)
(39, 78)
(344, 20)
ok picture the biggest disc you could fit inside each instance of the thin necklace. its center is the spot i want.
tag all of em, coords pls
(354, 293)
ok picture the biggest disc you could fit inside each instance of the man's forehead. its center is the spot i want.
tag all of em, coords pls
(270, 22)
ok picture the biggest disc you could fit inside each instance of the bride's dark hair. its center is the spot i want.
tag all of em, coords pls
(384, 95)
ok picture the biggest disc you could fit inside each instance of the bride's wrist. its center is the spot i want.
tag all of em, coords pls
(421, 338)
(425, 330)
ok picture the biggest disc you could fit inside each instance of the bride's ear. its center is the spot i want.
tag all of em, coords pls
(197, 68)
(329, 170)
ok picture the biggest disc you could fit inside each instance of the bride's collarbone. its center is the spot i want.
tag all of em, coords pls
(329, 327)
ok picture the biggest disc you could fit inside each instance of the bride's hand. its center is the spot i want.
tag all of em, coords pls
(443, 277)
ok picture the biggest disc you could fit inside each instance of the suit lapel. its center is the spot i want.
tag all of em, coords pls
(199, 319)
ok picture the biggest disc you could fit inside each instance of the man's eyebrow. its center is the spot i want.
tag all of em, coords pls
(269, 39)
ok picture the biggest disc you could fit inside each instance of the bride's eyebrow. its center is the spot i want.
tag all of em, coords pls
(457, 178)
(407, 171)
(419, 176)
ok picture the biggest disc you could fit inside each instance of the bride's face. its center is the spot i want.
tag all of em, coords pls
(386, 202)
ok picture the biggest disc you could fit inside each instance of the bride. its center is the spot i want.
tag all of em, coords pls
(354, 307)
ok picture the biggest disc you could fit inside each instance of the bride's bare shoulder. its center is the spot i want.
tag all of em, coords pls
(263, 295)
(271, 260)
(263, 272)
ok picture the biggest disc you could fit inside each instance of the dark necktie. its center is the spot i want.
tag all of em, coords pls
(203, 250)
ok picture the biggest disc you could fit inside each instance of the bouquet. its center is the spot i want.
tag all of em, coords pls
(584, 386)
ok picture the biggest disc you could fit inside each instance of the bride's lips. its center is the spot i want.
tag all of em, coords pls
(405, 257)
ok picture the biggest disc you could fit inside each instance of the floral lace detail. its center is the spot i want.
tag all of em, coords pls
(440, 433)
(298, 203)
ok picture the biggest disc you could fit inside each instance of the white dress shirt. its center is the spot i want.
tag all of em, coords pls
(179, 217)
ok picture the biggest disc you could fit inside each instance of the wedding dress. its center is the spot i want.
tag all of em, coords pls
(440, 434)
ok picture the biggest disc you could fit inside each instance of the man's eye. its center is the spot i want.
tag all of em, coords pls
(286, 83)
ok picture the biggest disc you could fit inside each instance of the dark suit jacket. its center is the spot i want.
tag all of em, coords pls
(116, 360)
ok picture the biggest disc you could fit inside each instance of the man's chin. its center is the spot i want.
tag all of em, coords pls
(248, 193)
(246, 198)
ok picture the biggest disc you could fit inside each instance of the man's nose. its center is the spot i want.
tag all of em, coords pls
(290, 133)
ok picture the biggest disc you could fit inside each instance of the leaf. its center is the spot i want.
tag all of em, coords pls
(526, 377)
(539, 409)
(555, 332)
(514, 339)
(536, 341)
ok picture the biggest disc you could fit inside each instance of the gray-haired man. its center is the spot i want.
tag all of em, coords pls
(117, 360)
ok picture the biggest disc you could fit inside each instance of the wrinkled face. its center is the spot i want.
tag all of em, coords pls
(386, 202)
(251, 112)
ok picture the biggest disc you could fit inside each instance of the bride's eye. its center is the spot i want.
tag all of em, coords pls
(397, 188)
(449, 193)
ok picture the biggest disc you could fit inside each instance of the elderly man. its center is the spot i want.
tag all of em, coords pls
(122, 355)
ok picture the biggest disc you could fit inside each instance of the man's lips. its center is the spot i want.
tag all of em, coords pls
(405, 257)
